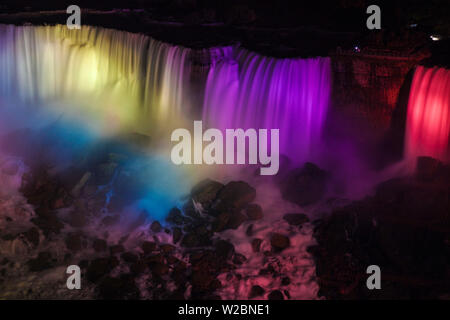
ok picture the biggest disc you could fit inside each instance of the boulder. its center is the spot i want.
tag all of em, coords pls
(279, 242)
(296, 219)
(254, 211)
(305, 185)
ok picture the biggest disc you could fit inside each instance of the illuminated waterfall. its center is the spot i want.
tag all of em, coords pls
(428, 117)
(122, 78)
(253, 91)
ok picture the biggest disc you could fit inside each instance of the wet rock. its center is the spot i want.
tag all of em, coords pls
(99, 245)
(32, 236)
(120, 288)
(138, 268)
(167, 248)
(220, 222)
(176, 235)
(100, 267)
(296, 219)
(155, 227)
(285, 281)
(205, 192)
(427, 168)
(236, 219)
(129, 257)
(43, 261)
(256, 291)
(115, 249)
(176, 217)
(239, 259)
(160, 269)
(306, 185)
(74, 242)
(224, 249)
(256, 244)
(279, 242)
(190, 240)
(249, 231)
(148, 246)
(235, 195)
(254, 211)
(275, 295)
(48, 224)
(78, 219)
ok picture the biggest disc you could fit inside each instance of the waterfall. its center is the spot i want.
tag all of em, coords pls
(428, 116)
(120, 77)
(253, 91)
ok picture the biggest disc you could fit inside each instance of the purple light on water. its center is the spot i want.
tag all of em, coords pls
(253, 91)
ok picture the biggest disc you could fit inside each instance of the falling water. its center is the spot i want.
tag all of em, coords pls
(428, 118)
(253, 91)
(124, 79)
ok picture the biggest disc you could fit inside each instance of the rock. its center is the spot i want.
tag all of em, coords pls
(10, 168)
(129, 257)
(279, 242)
(220, 222)
(427, 168)
(190, 240)
(43, 261)
(256, 291)
(99, 245)
(160, 269)
(296, 219)
(100, 267)
(224, 249)
(239, 258)
(235, 195)
(176, 234)
(275, 295)
(32, 236)
(138, 267)
(48, 224)
(249, 231)
(285, 281)
(205, 192)
(256, 244)
(236, 219)
(176, 217)
(306, 185)
(254, 211)
(148, 246)
(77, 219)
(115, 249)
(167, 248)
(120, 288)
(155, 227)
(74, 242)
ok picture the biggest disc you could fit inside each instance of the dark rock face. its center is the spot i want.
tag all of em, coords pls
(122, 288)
(403, 229)
(306, 185)
(275, 295)
(100, 267)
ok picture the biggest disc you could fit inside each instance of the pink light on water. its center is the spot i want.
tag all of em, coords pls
(428, 117)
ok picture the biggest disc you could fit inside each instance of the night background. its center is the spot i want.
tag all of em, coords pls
(86, 176)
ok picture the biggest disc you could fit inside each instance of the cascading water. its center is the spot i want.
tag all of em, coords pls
(253, 91)
(124, 79)
(428, 117)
